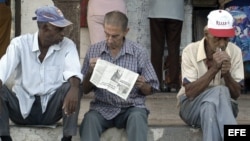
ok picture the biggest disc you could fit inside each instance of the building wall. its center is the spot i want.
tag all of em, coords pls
(138, 23)
(28, 11)
(139, 26)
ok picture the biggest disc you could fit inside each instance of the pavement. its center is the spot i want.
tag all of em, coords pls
(164, 112)
(164, 122)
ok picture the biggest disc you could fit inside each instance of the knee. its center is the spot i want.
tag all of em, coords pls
(208, 110)
(223, 92)
(221, 88)
(138, 116)
(90, 118)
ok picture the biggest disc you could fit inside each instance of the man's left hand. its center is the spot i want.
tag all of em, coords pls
(71, 101)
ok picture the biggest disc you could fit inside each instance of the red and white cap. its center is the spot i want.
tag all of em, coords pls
(220, 23)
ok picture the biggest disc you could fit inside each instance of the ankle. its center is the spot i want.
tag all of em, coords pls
(6, 138)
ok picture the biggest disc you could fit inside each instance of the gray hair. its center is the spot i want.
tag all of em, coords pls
(116, 18)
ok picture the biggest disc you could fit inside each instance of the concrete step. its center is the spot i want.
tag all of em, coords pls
(168, 133)
(164, 122)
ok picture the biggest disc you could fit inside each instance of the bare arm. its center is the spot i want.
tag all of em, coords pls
(233, 86)
(221, 62)
(195, 88)
(87, 85)
(72, 97)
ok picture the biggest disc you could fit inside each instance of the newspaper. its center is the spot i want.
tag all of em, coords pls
(113, 78)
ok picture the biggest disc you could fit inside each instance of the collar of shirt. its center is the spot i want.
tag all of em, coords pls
(125, 49)
(201, 55)
(35, 46)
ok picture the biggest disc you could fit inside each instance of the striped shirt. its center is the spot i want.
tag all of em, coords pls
(133, 57)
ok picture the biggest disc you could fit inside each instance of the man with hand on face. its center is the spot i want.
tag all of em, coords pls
(48, 76)
(107, 109)
(212, 78)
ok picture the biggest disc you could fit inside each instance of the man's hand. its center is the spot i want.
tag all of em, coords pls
(140, 81)
(92, 63)
(71, 101)
(143, 86)
(219, 58)
(225, 67)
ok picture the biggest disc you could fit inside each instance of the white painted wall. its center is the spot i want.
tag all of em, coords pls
(28, 8)
(138, 23)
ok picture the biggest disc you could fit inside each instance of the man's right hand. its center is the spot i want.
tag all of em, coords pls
(219, 57)
(92, 63)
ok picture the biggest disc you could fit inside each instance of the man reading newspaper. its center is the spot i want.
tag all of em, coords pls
(108, 109)
(115, 79)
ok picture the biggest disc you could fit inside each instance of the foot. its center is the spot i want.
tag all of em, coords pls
(6, 138)
(66, 138)
(173, 88)
(164, 87)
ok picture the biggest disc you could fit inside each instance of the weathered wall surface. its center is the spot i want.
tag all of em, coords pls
(139, 26)
(138, 23)
(28, 11)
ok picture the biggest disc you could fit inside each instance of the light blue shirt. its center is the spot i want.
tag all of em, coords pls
(36, 78)
(169, 9)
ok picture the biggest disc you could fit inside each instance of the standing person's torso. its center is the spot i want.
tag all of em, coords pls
(101, 7)
(172, 9)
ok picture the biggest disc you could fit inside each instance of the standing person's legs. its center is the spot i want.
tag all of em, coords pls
(135, 121)
(96, 29)
(173, 38)
(5, 28)
(93, 125)
(157, 33)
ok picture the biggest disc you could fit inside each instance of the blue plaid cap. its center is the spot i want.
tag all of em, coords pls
(51, 14)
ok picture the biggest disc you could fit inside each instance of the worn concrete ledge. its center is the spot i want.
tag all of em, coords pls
(164, 123)
(169, 133)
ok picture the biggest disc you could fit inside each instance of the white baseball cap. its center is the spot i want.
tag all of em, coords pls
(220, 23)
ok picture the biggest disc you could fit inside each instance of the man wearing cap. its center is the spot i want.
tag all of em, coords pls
(212, 77)
(46, 86)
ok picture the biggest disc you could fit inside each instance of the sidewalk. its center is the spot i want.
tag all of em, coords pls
(163, 110)
(164, 122)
